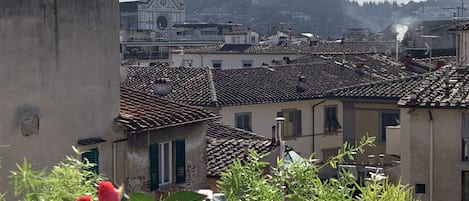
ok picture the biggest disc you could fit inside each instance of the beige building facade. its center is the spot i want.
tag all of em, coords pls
(307, 142)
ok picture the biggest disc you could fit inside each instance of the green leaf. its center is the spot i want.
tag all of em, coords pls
(184, 196)
(137, 196)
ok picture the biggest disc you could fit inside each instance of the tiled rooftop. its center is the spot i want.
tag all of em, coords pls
(257, 85)
(142, 112)
(374, 64)
(226, 144)
(387, 90)
(301, 48)
(445, 88)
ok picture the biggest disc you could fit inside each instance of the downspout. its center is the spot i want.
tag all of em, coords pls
(201, 60)
(314, 134)
(431, 154)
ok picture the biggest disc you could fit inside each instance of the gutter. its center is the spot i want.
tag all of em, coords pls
(174, 125)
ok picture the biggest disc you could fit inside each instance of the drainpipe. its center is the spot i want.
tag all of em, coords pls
(314, 134)
(431, 154)
(201, 60)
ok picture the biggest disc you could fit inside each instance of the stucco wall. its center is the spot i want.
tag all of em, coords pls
(230, 61)
(368, 121)
(59, 66)
(415, 132)
(263, 118)
(138, 164)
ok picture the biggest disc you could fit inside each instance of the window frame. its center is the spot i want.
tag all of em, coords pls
(242, 114)
(217, 64)
(297, 127)
(382, 128)
(463, 187)
(162, 163)
(247, 63)
(326, 118)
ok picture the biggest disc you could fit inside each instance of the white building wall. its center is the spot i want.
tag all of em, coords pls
(229, 61)
(263, 118)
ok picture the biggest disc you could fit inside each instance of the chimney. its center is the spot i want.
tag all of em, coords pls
(162, 87)
(360, 69)
(301, 85)
(280, 121)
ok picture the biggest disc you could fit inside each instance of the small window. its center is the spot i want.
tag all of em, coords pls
(292, 124)
(92, 156)
(465, 137)
(388, 119)
(465, 186)
(247, 63)
(331, 123)
(167, 160)
(243, 121)
(217, 64)
(329, 153)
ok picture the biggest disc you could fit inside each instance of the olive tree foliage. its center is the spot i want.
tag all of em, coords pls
(299, 181)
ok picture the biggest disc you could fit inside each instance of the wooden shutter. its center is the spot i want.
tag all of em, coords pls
(154, 183)
(93, 157)
(465, 126)
(297, 122)
(180, 161)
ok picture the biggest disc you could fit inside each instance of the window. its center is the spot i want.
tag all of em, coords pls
(92, 156)
(292, 124)
(247, 63)
(465, 186)
(331, 124)
(388, 119)
(167, 160)
(465, 137)
(243, 121)
(217, 64)
(329, 153)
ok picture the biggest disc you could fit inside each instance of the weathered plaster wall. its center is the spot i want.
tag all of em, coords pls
(415, 132)
(59, 63)
(138, 164)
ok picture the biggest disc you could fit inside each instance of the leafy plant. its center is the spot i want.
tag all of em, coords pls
(299, 181)
(66, 181)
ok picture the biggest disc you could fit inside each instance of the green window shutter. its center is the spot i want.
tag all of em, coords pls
(180, 161)
(297, 122)
(154, 183)
(93, 157)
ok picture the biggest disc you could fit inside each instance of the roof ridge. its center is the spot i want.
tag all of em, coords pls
(377, 82)
(213, 90)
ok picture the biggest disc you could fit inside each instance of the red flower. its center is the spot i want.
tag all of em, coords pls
(107, 192)
(84, 198)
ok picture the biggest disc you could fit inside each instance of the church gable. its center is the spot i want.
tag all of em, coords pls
(164, 4)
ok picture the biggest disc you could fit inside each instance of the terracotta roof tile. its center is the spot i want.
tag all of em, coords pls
(387, 90)
(257, 85)
(140, 112)
(226, 144)
(445, 88)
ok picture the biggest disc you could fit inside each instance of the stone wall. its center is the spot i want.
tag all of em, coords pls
(59, 78)
(138, 164)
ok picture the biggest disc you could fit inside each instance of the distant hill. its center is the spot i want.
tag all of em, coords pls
(324, 17)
